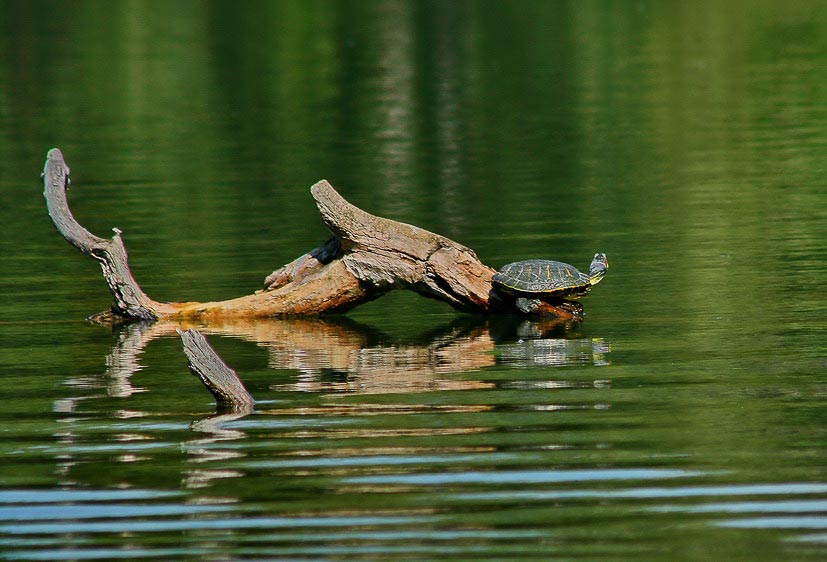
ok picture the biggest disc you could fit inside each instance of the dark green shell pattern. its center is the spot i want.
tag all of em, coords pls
(542, 278)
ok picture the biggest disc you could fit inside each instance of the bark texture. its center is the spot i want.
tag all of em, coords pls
(222, 382)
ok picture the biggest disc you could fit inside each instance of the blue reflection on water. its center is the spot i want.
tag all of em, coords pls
(812, 522)
(125, 526)
(97, 511)
(525, 476)
(790, 506)
(649, 493)
(54, 496)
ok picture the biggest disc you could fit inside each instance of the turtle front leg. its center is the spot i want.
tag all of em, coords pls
(527, 306)
(538, 307)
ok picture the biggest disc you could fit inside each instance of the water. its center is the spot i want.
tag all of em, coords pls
(683, 419)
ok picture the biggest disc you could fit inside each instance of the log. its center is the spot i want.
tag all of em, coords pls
(366, 257)
(223, 383)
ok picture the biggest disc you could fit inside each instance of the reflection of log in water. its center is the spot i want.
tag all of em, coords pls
(336, 360)
(341, 355)
(348, 358)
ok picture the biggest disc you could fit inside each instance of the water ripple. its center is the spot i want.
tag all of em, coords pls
(650, 493)
(525, 476)
(814, 522)
(162, 525)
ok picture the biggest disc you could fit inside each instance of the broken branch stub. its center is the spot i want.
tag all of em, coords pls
(367, 256)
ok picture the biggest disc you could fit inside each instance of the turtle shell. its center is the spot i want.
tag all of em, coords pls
(542, 279)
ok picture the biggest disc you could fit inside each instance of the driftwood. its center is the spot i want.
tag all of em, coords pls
(367, 256)
(222, 382)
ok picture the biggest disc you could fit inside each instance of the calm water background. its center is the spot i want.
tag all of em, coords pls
(685, 418)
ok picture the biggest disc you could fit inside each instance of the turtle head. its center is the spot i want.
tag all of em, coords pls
(598, 268)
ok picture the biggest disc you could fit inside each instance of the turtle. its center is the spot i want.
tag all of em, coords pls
(533, 281)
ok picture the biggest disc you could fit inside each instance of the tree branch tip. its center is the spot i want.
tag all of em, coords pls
(320, 186)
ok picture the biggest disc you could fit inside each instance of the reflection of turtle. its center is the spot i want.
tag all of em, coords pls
(532, 281)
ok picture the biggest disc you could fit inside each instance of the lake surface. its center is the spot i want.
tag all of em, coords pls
(684, 419)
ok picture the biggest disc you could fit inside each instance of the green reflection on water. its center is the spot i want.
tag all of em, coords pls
(687, 142)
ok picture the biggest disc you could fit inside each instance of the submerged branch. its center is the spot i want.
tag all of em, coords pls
(222, 382)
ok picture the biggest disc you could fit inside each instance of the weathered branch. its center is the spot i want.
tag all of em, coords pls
(385, 253)
(222, 382)
(367, 256)
(130, 300)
